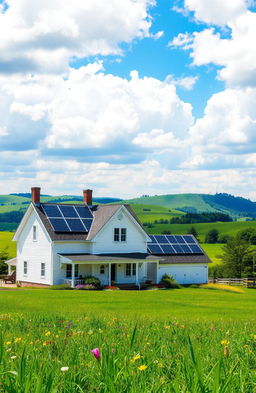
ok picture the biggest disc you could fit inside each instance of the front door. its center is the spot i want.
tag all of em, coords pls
(113, 272)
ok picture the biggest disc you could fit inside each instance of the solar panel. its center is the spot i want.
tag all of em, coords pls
(173, 244)
(68, 211)
(69, 218)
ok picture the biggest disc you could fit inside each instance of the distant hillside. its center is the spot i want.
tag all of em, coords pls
(196, 203)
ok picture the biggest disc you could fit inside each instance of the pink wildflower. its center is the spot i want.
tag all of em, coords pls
(96, 353)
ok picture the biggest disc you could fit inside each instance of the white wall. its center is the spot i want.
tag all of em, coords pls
(34, 252)
(185, 273)
(59, 270)
(104, 240)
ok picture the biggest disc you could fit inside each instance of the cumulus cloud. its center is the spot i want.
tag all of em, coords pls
(226, 135)
(93, 116)
(235, 55)
(44, 35)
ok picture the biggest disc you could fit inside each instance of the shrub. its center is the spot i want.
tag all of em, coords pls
(212, 236)
(61, 287)
(93, 280)
(169, 282)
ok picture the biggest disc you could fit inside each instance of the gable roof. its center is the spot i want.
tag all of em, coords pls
(101, 215)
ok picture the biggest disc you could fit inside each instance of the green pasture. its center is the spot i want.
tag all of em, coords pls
(150, 213)
(6, 241)
(165, 341)
(224, 228)
(184, 304)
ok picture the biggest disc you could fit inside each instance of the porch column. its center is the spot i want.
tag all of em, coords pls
(73, 276)
(9, 269)
(137, 274)
(109, 274)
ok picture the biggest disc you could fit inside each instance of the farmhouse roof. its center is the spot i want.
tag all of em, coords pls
(187, 258)
(101, 215)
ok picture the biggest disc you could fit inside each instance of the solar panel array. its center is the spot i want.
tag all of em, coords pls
(69, 218)
(173, 244)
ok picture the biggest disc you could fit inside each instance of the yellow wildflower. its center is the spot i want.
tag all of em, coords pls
(224, 342)
(160, 365)
(136, 357)
(8, 342)
(143, 367)
(182, 326)
(167, 327)
(17, 340)
(90, 332)
(47, 334)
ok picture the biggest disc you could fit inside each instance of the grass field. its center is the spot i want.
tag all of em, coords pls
(177, 341)
(6, 241)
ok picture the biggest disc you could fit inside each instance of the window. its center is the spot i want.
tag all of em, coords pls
(34, 233)
(130, 269)
(123, 234)
(25, 268)
(102, 269)
(120, 234)
(42, 269)
(69, 271)
(116, 234)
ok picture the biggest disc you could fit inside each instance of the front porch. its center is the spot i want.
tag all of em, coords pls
(111, 270)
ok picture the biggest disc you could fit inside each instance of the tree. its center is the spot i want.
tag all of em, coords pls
(193, 231)
(212, 236)
(3, 257)
(235, 257)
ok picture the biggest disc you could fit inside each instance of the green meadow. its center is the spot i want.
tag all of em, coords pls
(178, 341)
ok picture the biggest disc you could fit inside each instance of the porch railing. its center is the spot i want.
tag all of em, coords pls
(74, 282)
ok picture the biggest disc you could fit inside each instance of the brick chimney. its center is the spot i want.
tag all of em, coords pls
(87, 197)
(35, 194)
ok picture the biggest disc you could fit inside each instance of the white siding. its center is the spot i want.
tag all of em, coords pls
(104, 240)
(59, 270)
(185, 273)
(34, 252)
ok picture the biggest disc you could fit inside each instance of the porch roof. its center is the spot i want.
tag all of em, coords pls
(11, 262)
(103, 258)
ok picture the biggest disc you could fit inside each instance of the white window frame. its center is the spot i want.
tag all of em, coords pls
(43, 269)
(25, 268)
(123, 236)
(34, 233)
(130, 269)
(116, 235)
(70, 272)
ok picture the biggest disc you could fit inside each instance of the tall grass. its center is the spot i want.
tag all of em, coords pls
(44, 354)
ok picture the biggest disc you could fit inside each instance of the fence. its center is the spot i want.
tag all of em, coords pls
(245, 282)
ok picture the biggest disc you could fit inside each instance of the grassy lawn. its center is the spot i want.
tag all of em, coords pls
(184, 304)
(176, 341)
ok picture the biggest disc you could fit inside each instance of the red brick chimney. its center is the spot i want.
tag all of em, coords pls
(35, 194)
(87, 197)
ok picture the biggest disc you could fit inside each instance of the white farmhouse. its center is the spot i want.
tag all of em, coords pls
(58, 243)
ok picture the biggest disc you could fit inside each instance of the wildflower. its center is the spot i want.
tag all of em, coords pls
(17, 340)
(64, 369)
(136, 357)
(96, 353)
(8, 342)
(224, 342)
(47, 334)
(160, 365)
(167, 327)
(254, 336)
(182, 326)
(143, 367)
(226, 351)
(8, 350)
(13, 357)
(90, 332)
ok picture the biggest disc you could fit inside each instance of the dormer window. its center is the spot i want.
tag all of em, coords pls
(34, 233)
(120, 234)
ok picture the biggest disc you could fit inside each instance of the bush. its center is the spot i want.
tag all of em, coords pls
(61, 287)
(169, 282)
(212, 236)
(93, 281)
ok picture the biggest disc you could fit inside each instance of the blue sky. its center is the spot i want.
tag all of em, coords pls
(139, 97)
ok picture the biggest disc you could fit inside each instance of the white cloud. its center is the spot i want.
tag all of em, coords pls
(217, 12)
(43, 35)
(92, 115)
(235, 55)
(186, 82)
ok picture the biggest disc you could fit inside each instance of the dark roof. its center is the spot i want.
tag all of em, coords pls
(188, 258)
(109, 257)
(163, 260)
(101, 215)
